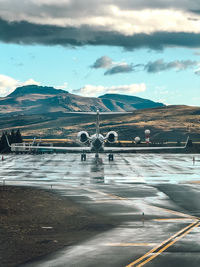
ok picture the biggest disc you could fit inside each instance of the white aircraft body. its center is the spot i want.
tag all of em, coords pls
(97, 143)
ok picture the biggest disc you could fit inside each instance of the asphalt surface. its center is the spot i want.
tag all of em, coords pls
(154, 197)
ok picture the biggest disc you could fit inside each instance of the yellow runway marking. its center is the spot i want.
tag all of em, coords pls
(183, 232)
(117, 197)
(172, 219)
(131, 244)
(165, 244)
(168, 245)
(126, 199)
(177, 213)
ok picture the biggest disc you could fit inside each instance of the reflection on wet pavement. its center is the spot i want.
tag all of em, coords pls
(152, 196)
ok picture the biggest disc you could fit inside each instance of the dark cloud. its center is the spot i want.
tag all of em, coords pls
(79, 8)
(160, 65)
(197, 11)
(28, 33)
(186, 5)
(122, 68)
(102, 62)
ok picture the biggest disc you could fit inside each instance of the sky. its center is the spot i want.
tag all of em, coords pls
(145, 48)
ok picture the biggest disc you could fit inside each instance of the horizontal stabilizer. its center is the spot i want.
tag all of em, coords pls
(101, 113)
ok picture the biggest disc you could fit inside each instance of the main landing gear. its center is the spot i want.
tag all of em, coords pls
(83, 157)
(110, 157)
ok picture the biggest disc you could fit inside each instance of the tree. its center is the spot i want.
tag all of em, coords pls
(13, 138)
(18, 137)
(4, 144)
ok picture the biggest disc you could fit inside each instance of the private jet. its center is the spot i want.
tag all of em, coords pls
(97, 143)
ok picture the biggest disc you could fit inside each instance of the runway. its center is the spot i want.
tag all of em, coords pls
(154, 197)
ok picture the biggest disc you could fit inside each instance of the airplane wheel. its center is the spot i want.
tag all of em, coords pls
(83, 157)
(110, 157)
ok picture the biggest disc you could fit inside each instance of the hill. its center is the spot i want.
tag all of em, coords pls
(33, 99)
(131, 101)
(165, 123)
(44, 112)
(35, 89)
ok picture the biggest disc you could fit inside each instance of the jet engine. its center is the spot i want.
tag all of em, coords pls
(112, 137)
(83, 137)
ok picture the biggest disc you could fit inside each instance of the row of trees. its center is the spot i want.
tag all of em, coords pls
(13, 137)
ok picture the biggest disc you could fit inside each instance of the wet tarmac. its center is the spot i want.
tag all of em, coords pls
(154, 197)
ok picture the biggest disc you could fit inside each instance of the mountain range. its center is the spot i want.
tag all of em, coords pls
(44, 112)
(33, 99)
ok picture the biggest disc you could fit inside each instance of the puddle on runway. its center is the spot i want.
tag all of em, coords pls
(126, 168)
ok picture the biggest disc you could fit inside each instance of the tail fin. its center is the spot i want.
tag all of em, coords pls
(97, 124)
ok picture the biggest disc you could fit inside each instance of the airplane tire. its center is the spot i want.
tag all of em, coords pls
(83, 157)
(110, 157)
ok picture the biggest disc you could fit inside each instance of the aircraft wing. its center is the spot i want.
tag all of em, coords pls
(149, 148)
(106, 149)
(62, 148)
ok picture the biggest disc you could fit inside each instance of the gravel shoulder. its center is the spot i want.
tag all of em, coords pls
(36, 222)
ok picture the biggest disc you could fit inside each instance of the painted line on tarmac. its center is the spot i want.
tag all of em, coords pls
(163, 246)
(180, 214)
(105, 194)
(177, 213)
(130, 244)
(118, 197)
(172, 219)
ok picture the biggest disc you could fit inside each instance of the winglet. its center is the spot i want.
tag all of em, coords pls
(97, 124)
(7, 141)
(187, 142)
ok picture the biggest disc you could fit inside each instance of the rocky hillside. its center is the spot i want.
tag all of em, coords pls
(130, 102)
(33, 99)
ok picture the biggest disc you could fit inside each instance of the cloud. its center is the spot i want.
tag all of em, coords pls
(28, 33)
(102, 62)
(9, 84)
(129, 24)
(120, 68)
(151, 67)
(111, 66)
(92, 90)
(114, 16)
(63, 87)
(160, 65)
